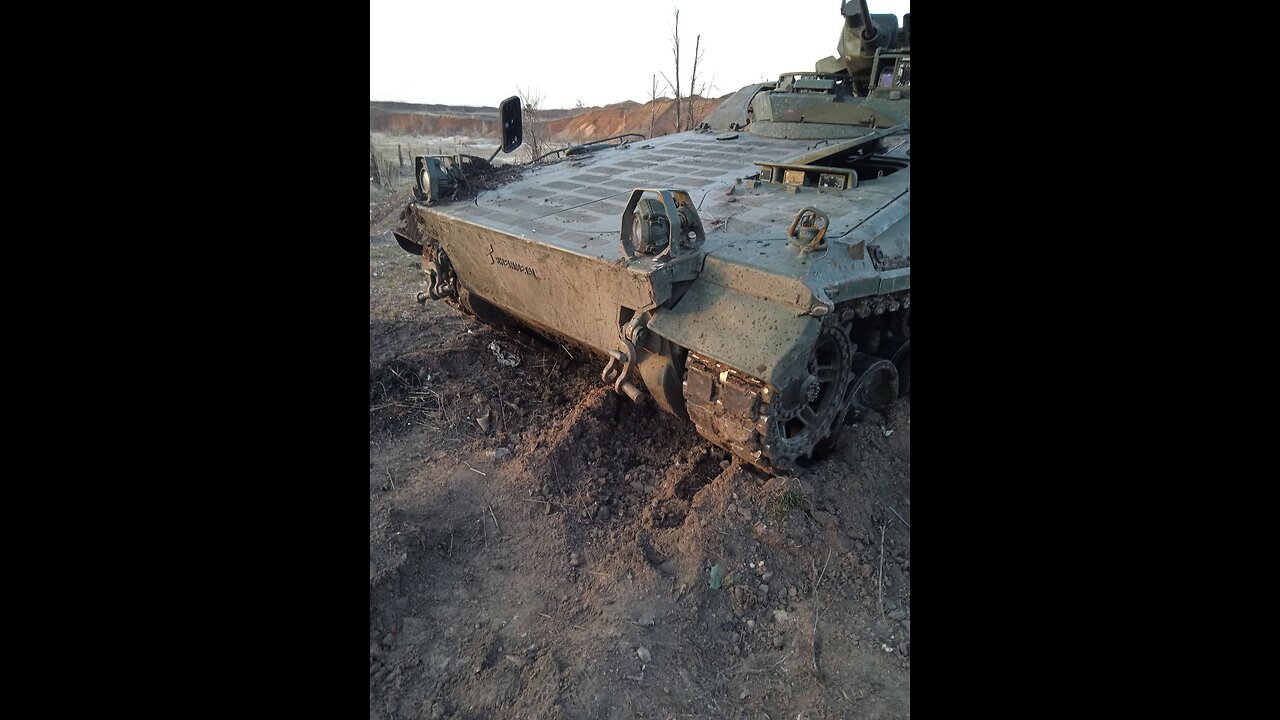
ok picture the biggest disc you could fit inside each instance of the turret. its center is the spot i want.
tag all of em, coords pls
(862, 35)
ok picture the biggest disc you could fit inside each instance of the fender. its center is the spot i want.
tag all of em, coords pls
(760, 338)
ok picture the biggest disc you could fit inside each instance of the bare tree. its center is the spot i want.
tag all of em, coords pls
(693, 84)
(653, 105)
(535, 127)
(675, 53)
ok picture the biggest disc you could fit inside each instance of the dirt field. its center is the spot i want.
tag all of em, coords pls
(559, 564)
(393, 147)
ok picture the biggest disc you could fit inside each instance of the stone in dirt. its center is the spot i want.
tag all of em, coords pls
(825, 519)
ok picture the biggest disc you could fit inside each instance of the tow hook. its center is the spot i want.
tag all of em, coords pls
(617, 372)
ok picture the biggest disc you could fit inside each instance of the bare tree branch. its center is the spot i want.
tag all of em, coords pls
(675, 52)
(653, 105)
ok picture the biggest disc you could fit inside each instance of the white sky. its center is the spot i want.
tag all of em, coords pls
(477, 52)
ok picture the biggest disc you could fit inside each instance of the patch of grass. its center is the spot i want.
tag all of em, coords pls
(787, 501)
(792, 499)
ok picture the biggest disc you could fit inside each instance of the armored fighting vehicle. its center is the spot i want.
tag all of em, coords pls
(752, 275)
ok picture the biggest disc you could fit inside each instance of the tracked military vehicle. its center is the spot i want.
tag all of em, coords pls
(752, 275)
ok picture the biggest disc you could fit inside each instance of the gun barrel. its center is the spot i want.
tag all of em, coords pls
(858, 17)
(868, 27)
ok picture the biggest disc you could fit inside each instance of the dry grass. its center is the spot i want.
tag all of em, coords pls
(383, 171)
(403, 397)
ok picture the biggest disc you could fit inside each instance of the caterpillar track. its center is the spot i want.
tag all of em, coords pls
(758, 424)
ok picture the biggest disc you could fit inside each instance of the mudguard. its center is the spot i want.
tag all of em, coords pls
(759, 338)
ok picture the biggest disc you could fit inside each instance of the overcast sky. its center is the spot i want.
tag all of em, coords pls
(478, 52)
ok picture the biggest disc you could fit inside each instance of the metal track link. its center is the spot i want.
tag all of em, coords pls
(725, 407)
(731, 409)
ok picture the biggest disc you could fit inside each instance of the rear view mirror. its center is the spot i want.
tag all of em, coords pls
(512, 123)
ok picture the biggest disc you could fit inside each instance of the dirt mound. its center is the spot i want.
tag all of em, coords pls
(564, 126)
(612, 120)
(444, 122)
(561, 563)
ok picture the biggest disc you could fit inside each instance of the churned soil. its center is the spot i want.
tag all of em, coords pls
(541, 548)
